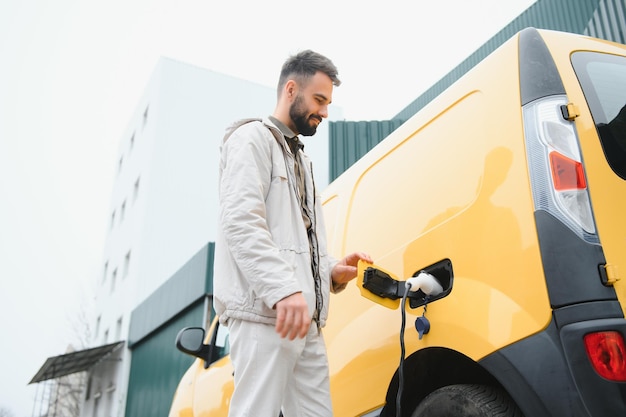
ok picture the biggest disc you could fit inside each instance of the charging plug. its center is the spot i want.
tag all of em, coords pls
(425, 282)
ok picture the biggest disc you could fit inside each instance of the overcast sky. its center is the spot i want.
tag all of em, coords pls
(72, 72)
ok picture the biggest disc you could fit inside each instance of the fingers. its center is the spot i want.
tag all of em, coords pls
(292, 317)
(353, 258)
(292, 324)
(289, 324)
(361, 256)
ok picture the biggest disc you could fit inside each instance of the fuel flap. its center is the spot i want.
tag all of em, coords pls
(378, 285)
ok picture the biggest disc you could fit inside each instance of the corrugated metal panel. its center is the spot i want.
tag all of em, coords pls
(348, 141)
(157, 367)
(191, 282)
(608, 21)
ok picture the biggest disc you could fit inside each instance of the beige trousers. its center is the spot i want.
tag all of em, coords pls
(272, 373)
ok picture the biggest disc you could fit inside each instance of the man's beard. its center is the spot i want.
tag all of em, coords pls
(300, 118)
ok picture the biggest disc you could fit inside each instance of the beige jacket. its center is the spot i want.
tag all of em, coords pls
(262, 252)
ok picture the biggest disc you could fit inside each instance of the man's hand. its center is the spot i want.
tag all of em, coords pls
(346, 269)
(292, 316)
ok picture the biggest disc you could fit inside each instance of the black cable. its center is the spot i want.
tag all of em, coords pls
(402, 351)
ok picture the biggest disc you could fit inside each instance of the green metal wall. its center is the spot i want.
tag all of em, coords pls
(157, 367)
(348, 141)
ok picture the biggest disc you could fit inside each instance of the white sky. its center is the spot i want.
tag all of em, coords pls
(72, 72)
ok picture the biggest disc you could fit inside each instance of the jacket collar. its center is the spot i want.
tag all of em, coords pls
(294, 142)
(287, 133)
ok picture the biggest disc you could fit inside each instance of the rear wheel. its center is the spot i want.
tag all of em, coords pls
(467, 401)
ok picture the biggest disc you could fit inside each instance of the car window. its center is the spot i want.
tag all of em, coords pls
(221, 342)
(603, 80)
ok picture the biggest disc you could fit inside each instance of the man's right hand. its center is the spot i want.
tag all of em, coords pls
(292, 316)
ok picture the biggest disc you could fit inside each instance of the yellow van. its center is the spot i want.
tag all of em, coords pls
(510, 190)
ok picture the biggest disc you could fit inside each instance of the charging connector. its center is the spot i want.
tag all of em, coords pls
(425, 282)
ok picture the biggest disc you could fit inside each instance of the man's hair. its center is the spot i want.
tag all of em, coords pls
(304, 65)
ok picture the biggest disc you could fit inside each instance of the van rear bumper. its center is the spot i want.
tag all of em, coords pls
(549, 374)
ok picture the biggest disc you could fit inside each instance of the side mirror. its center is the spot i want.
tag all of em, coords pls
(190, 340)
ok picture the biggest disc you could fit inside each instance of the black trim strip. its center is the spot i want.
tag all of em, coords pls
(539, 76)
(570, 264)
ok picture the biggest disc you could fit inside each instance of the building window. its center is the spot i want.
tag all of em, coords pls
(132, 141)
(105, 272)
(126, 265)
(113, 278)
(136, 190)
(110, 393)
(119, 165)
(122, 211)
(95, 335)
(145, 117)
(105, 337)
(118, 329)
(96, 405)
(112, 219)
(88, 388)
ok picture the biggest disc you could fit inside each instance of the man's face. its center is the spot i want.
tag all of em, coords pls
(310, 105)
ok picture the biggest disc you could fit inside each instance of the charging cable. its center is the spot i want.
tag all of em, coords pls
(429, 286)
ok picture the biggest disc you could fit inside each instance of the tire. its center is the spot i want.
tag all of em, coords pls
(467, 401)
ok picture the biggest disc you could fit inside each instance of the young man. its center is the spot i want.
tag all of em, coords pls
(273, 274)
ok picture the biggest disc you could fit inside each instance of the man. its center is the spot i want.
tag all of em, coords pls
(273, 274)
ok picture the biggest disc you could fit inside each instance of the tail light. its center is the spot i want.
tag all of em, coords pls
(556, 168)
(567, 174)
(607, 353)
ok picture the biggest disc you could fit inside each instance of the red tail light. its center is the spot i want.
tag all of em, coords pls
(567, 173)
(607, 353)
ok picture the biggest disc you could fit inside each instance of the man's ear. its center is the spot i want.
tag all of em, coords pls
(291, 89)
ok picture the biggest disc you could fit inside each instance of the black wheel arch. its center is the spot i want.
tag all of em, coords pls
(430, 369)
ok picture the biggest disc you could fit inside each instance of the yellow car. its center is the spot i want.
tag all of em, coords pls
(509, 189)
